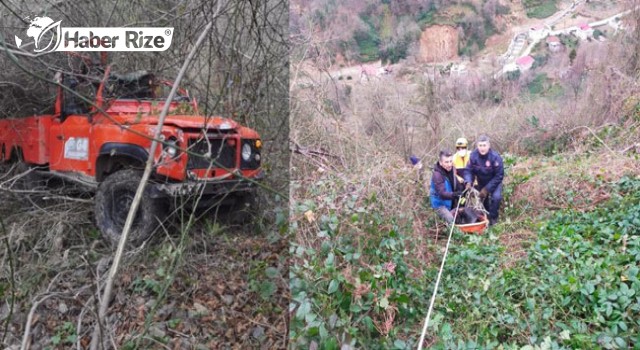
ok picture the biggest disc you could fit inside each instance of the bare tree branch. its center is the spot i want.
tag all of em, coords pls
(106, 297)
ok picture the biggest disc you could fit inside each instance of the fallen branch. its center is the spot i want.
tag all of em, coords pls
(596, 136)
(27, 326)
(635, 146)
(296, 148)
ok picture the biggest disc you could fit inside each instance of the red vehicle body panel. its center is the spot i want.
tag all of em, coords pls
(74, 144)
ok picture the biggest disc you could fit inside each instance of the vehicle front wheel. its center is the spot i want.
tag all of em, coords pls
(113, 200)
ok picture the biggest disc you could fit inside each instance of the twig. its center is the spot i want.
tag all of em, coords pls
(157, 342)
(97, 334)
(27, 326)
(596, 136)
(12, 282)
(634, 146)
(71, 199)
(308, 151)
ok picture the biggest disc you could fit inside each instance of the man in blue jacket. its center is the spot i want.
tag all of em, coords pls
(485, 166)
(445, 189)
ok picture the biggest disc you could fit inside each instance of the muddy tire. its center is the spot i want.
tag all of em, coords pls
(25, 176)
(112, 202)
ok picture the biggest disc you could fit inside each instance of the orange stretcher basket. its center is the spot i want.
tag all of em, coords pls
(477, 227)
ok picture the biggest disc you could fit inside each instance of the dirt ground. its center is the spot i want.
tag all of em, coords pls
(229, 289)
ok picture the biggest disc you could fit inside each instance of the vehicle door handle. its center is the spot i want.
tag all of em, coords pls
(60, 137)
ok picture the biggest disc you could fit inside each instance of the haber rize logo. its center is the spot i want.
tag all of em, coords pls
(37, 28)
(49, 36)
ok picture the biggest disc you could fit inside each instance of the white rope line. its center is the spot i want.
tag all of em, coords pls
(435, 289)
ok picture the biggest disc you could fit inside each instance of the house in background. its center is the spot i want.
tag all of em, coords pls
(583, 31)
(537, 32)
(554, 44)
(524, 63)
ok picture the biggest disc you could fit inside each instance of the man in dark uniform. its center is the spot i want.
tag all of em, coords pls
(485, 166)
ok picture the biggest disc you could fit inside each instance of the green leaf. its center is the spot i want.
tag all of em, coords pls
(620, 342)
(609, 310)
(333, 286)
(631, 292)
(446, 331)
(55, 340)
(399, 344)
(71, 339)
(384, 303)
(303, 310)
(403, 299)
(624, 288)
(323, 332)
(329, 344)
(272, 272)
(328, 262)
(622, 326)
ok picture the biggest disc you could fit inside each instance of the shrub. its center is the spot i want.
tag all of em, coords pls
(368, 42)
(576, 287)
(539, 84)
(540, 8)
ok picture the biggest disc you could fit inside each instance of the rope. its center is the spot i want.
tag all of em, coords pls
(435, 289)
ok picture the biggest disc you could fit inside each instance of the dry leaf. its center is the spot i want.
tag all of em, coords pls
(311, 217)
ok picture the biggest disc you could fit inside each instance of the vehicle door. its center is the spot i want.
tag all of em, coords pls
(71, 131)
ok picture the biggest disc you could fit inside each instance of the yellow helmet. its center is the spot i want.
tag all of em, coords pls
(461, 142)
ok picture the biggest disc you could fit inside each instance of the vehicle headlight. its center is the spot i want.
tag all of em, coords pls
(171, 148)
(246, 152)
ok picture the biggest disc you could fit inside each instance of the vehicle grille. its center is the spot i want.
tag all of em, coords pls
(221, 153)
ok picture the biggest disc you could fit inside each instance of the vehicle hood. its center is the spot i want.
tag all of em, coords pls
(181, 121)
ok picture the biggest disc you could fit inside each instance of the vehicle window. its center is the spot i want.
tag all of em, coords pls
(73, 104)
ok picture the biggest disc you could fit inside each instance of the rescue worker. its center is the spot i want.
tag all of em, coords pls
(485, 166)
(445, 190)
(461, 158)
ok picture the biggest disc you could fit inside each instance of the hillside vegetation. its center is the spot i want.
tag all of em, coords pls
(560, 270)
(369, 30)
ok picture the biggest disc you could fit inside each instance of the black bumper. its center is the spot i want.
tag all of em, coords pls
(204, 188)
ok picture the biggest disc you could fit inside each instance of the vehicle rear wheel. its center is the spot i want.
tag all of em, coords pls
(113, 200)
(25, 176)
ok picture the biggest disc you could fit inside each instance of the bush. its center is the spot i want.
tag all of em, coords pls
(545, 143)
(597, 33)
(540, 8)
(538, 85)
(368, 42)
(427, 18)
(540, 60)
(575, 288)
(513, 75)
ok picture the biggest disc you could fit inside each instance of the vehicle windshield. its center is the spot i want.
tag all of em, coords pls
(140, 85)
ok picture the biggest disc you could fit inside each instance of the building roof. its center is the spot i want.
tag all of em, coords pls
(585, 26)
(525, 61)
(553, 39)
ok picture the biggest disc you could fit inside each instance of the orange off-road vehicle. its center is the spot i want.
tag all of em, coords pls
(211, 158)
